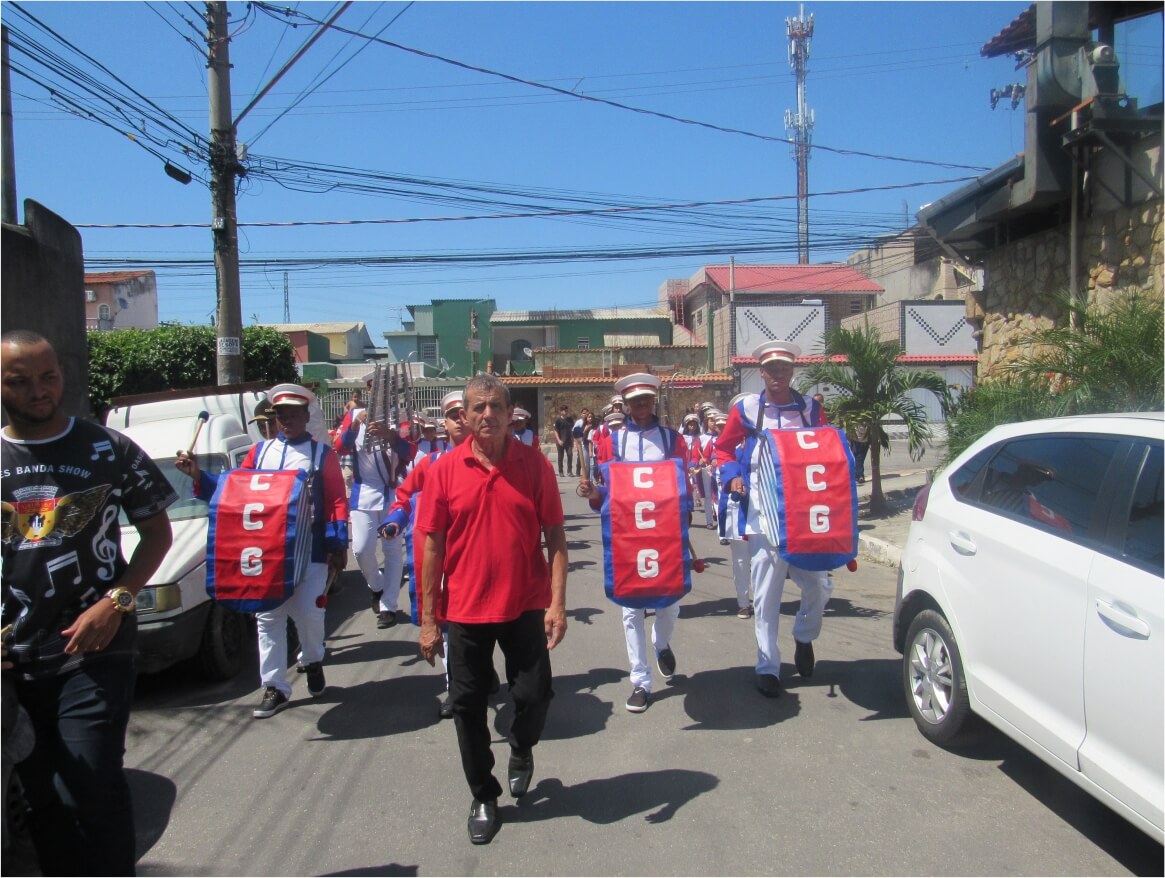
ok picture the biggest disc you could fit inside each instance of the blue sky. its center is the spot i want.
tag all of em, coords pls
(898, 80)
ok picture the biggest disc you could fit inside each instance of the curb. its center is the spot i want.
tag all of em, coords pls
(879, 551)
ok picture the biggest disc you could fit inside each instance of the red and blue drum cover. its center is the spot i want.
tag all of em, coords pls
(808, 496)
(646, 562)
(258, 544)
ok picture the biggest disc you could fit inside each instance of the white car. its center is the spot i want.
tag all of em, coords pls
(1031, 594)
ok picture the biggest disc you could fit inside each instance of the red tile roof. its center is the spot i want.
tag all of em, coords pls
(677, 381)
(902, 358)
(114, 277)
(788, 279)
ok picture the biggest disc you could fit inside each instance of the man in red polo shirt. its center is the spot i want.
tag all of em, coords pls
(490, 492)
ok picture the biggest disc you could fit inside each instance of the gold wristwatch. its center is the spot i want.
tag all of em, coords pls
(123, 599)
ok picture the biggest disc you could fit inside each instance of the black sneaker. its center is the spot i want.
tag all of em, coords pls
(376, 601)
(638, 700)
(385, 619)
(273, 702)
(446, 709)
(316, 684)
(803, 658)
(665, 660)
(769, 686)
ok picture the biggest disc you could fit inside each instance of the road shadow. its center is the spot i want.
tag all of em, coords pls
(583, 615)
(573, 566)
(727, 699)
(389, 869)
(612, 799)
(153, 799)
(873, 684)
(717, 607)
(575, 711)
(363, 651)
(1102, 826)
(840, 608)
(381, 708)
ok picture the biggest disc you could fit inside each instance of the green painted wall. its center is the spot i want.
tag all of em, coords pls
(451, 326)
(570, 331)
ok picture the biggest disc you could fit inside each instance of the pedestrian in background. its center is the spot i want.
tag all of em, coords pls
(564, 439)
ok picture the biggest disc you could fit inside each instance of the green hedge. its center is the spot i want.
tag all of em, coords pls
(173, 357)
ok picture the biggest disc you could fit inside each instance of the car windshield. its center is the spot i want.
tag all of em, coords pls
(187, 505)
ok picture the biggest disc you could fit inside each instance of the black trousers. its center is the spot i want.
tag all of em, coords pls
(471, 649)
(567, 449)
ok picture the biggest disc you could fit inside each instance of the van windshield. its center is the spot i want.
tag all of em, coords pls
(187, 506)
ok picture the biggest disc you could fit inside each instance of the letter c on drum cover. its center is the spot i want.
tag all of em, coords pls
(819, 519)
(641, 507)
(805, 440)
(248, 522)
(251, 561)
(260, 482)
(637, 477)
(814, 469)
(648, 563)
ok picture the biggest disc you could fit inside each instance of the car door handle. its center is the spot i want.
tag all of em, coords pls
(962, 543)
(1124, 622)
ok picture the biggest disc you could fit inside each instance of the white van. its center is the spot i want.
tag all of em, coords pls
(177, 620)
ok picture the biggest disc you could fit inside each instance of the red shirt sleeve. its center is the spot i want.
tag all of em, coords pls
(335, 497)
(414, 483)
(734, 432)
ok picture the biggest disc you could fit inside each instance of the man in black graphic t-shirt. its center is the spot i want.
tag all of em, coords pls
(68, 595)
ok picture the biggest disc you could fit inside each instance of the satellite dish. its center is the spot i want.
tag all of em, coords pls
(529, 353)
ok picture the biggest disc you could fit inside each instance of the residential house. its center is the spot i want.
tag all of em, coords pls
(121, 300)
(450, 337)
(733, 308)
(912, 265)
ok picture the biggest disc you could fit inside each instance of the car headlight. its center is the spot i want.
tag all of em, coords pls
(159, 598)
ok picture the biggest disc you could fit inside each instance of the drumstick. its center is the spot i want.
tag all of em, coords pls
(203, 417)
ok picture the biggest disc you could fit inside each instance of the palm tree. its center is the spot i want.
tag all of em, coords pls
(1106, 358)
(872, 386)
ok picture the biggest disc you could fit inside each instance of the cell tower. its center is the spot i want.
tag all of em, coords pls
(799, 124)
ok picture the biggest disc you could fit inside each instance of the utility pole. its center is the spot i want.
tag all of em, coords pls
(9, 171)
(800, 124)
(286, 301)
(224, 167)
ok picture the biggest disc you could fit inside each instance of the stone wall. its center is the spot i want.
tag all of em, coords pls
(1119, 252)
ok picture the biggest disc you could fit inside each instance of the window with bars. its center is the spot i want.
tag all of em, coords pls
(584, 341)
(856, 306)
(428, 351)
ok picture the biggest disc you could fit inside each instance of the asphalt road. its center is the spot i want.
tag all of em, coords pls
(713, 779)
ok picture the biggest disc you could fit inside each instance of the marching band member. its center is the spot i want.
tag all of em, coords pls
(706, 469)
(643, 439)
(777, 407)
(294, 449)
(374, 465)
(402, 515)
(521, 432)
(429, 441)
(732, 518)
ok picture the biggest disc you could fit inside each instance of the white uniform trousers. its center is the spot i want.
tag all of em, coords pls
(635, 629)
(309, 625)
(362, 525)
(768, 581)
(741, 570)
(708, 483)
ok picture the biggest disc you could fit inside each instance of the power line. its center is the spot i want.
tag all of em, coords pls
(668, 116)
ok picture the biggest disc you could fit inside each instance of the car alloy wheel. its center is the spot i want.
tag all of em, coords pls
(932, 676)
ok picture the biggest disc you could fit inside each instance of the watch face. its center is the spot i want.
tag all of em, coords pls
(123, 598)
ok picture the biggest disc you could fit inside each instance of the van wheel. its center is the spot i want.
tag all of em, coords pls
(932, 677)
(224, 643)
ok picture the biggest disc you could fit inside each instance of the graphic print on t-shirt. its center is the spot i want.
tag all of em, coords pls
(39, 518)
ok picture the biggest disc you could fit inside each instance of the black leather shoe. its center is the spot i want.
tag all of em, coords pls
(446, 709)
(483, 821)
(803, 658)
(769, 686)
(520, 773)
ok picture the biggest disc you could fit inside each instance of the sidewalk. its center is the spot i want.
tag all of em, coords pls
(882, 539)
